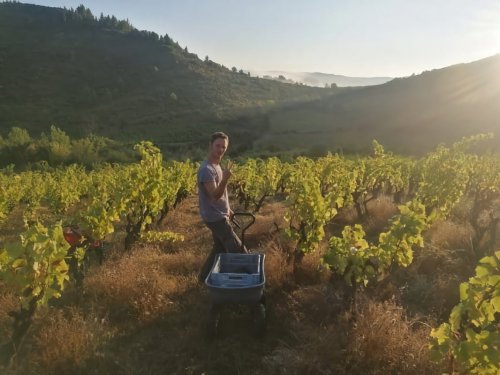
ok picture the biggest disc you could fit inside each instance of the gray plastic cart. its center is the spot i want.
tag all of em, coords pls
(237, 278)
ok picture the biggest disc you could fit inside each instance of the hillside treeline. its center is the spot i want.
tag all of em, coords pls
(19, 148)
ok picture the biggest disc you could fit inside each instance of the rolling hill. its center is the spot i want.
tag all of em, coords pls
(100, 75)
(408, 115)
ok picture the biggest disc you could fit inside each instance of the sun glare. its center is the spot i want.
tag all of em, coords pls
(488, 29)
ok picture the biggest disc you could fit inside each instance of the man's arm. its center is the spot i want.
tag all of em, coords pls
(216, 192)
(213, 191)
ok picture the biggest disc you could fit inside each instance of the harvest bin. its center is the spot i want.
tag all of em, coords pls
(237, 278)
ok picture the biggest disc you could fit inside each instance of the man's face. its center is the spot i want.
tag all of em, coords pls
(218, 148)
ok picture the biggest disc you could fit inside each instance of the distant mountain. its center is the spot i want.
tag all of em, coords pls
(408, 115)
(88, 74)
(320, 79)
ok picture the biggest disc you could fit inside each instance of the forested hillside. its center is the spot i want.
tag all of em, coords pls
(409, 115)
(88, 74)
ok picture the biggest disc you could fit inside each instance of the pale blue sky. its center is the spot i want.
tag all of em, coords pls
(355, 38)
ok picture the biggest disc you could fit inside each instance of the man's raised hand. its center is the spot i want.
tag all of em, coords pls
(227, 172)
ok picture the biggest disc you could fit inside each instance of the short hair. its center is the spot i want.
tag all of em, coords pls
(218, 135)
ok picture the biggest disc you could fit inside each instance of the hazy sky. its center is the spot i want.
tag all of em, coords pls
(349, 37)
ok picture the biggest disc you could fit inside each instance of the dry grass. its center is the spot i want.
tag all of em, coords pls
(277, 268)
(65, 341)
(384, 341)
(448, 251)
(380, 210)
(310, 334)
(312, 271)
(269, 226)
(8, 303)
(140, 285)
(348, 215)
(450, 235)
(431, 282)
(461, 211)
(326, 341)
(186, 220)
(433, 295)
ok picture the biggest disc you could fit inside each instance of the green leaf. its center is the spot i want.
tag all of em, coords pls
(18, 263)
(495, 302)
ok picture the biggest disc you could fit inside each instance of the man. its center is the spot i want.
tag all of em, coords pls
(214, 203)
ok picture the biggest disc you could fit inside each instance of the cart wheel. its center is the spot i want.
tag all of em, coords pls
(259, 320)
(212, 323)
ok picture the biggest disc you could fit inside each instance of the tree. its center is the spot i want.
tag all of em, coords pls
(84, 14)
(17, 137)
(59, 146)
(167, 39)
(125, 26)
(84, 151)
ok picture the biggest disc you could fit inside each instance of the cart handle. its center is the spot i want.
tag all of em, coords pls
(238, 225)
